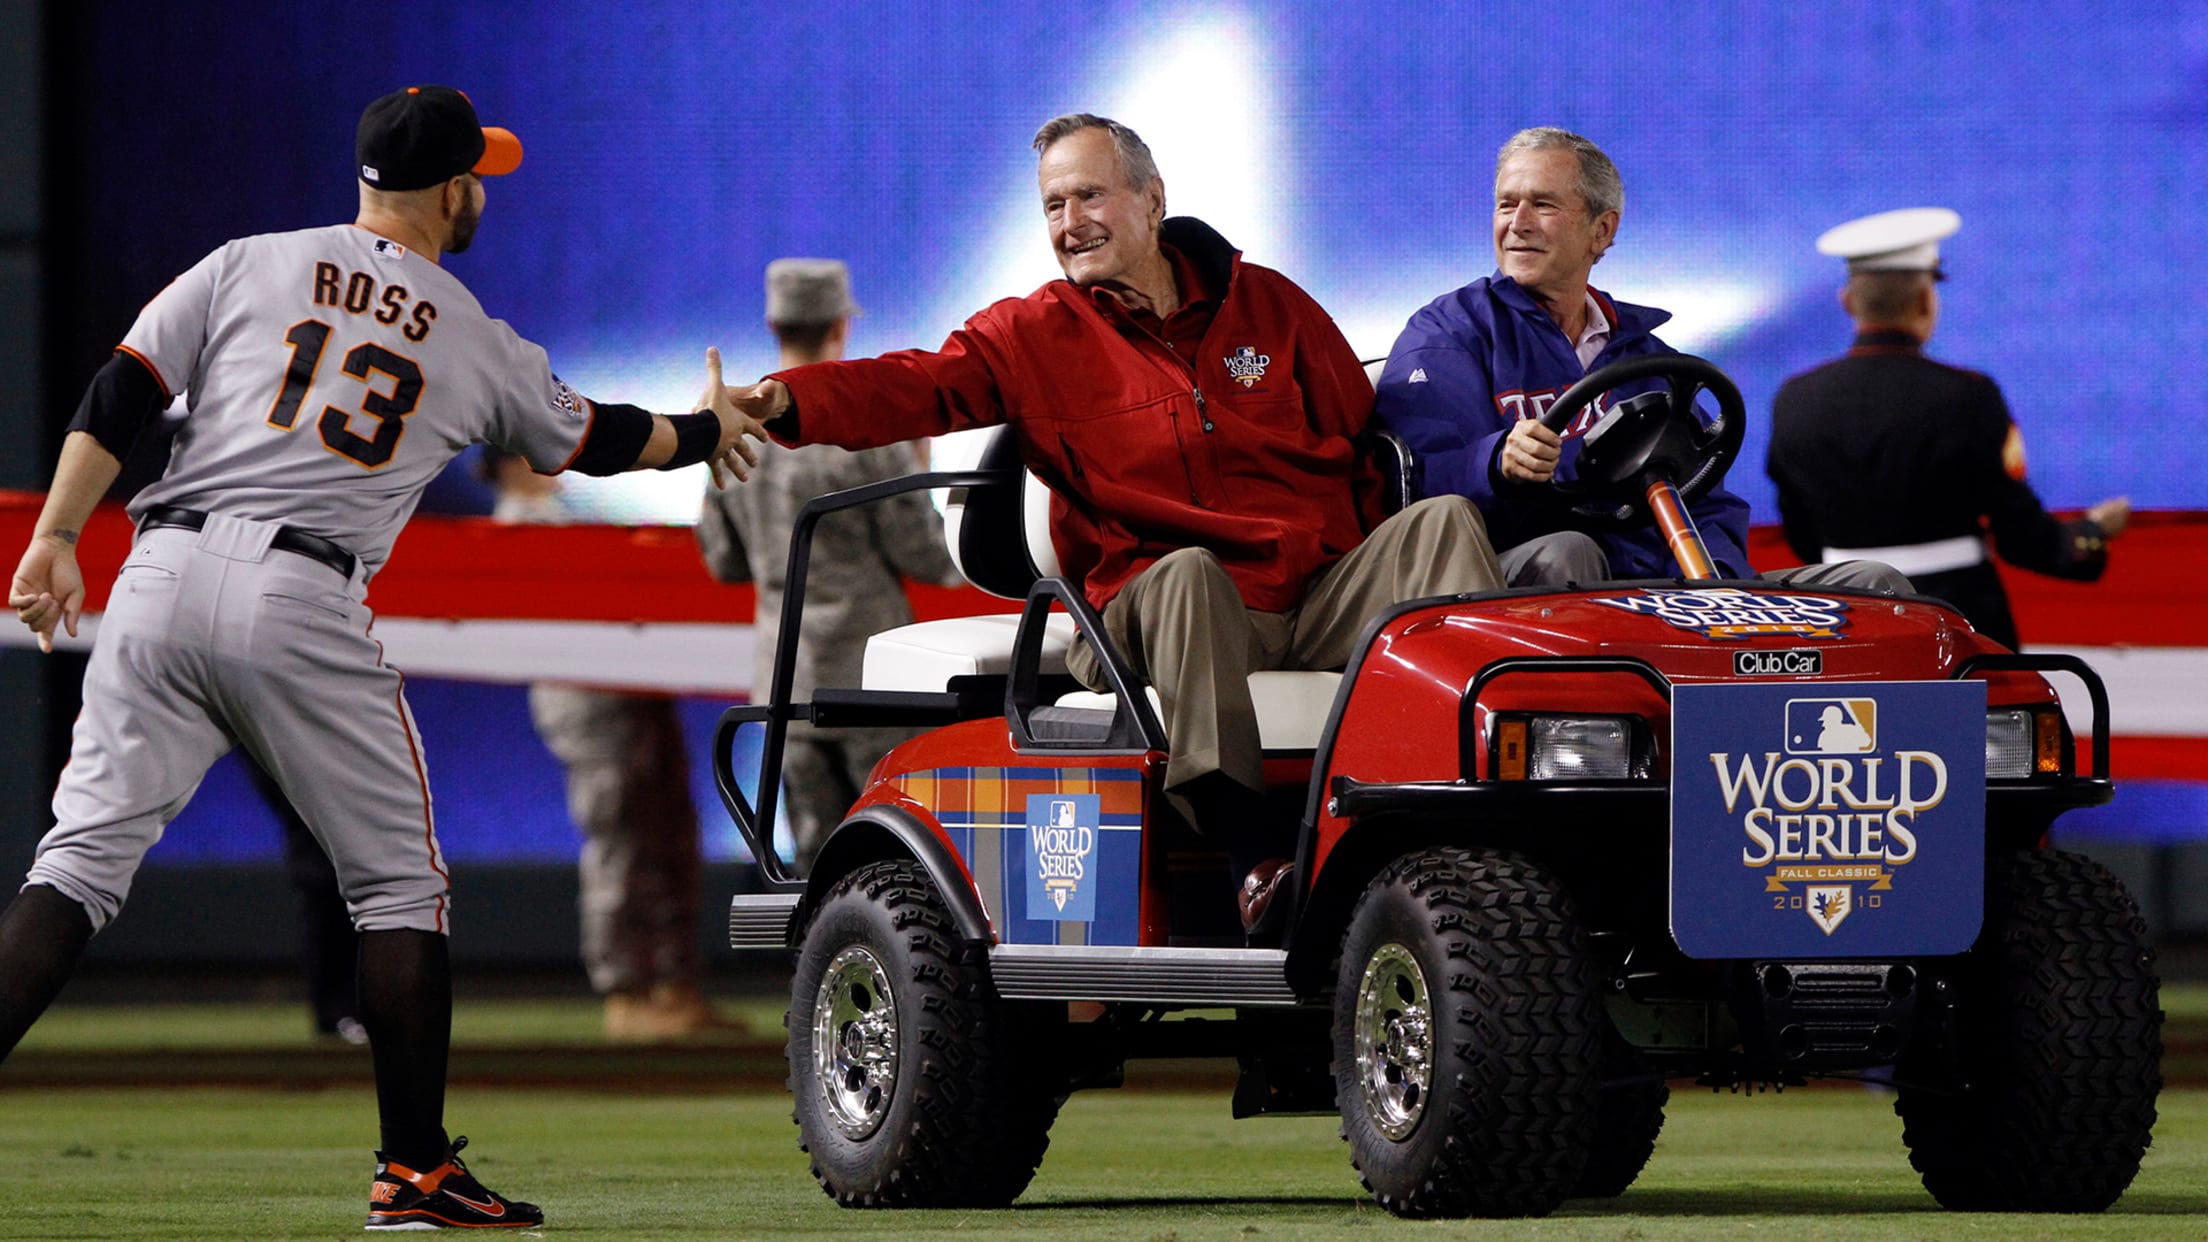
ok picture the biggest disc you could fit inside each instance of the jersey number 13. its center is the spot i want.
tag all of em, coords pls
(307, 339)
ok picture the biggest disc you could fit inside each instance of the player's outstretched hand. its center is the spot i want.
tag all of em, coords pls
(738, 420)
(2111, 515)
(48, 588)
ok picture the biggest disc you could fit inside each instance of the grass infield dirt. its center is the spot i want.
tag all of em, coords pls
(103, 1134)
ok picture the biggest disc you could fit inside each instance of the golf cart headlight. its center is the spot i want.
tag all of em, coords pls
(2023, 742)
(2008, 744)
(1579, 748)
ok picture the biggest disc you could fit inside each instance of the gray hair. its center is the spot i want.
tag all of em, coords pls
(1136, 163)
(1599, 183)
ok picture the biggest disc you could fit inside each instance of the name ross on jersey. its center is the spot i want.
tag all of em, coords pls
(355, 292)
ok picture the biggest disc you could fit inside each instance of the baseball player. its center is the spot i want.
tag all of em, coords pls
(332, 373)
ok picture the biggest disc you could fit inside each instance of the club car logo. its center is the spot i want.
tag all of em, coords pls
(1061, 835)
(1732, 613)
(1793, 662)
(1246, 366)
(1827, 810)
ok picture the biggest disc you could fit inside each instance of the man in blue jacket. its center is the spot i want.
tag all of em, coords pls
(1475, 369)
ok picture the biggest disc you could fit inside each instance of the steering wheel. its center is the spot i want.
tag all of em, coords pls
(1653, 436)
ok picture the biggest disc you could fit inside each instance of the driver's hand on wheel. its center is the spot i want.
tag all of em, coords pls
(1530, 452)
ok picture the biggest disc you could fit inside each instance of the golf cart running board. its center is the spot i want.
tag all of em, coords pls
(761, 920)
(1168, 976)
(1224, 977)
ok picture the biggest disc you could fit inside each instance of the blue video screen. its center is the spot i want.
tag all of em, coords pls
(673, 149)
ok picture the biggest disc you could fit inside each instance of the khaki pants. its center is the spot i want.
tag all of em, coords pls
(1182, 627)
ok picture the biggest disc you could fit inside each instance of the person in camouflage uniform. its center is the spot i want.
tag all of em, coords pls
(628, 791)
(860, 557)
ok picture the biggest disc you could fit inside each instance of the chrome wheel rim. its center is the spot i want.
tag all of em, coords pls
(855, 1042)
(1395, 1040)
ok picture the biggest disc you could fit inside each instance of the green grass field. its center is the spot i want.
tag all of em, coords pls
(696, 1143)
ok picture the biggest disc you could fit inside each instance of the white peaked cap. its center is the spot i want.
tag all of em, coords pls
(1907, 240)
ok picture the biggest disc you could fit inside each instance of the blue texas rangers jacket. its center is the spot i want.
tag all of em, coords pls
(1473, 362)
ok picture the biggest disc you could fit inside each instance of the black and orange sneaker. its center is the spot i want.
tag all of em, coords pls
(446, 1197)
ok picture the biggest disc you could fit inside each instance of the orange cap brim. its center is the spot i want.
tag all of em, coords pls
(501, 153)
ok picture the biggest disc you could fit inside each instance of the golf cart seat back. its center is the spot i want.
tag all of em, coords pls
(999, 537)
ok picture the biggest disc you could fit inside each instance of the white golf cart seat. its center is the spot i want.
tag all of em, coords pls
(1004, 549)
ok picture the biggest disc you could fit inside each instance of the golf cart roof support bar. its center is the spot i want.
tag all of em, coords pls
(757, 824)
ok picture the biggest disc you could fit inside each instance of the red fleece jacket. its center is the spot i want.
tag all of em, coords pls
(1249, 451)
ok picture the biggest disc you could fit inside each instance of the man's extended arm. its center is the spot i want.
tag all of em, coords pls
(869, 402)
(2024, 533)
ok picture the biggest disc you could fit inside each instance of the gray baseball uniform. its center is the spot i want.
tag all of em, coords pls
(854, 589)
(332, 375)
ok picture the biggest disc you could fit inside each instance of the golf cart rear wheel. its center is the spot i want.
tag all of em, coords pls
(1466, 1037)
(909, 1078)
(2046, 1102)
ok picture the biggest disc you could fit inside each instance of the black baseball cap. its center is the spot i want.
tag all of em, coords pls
(418, 137)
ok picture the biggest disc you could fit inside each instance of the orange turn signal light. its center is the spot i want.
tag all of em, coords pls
(1510, 750)
(2047, 743)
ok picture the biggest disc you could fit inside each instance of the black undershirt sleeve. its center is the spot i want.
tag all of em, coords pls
(618, 434)
(696, 436)
(122, 398)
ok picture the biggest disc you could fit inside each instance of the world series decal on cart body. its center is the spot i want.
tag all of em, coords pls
(1733, 613)
(1847, 821)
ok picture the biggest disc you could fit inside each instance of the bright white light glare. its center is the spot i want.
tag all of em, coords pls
(1201, 96)
(1698, 278)
(1704, 315)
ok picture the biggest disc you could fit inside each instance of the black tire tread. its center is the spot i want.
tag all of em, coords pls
(1520, 1111)
(972, 1136)
(2063, 1038)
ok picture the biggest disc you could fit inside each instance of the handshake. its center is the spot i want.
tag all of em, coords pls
(742, 413)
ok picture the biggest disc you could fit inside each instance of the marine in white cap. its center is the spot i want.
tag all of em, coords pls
(1887, 455)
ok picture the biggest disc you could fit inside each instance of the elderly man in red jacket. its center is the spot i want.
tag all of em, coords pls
(1195, 416)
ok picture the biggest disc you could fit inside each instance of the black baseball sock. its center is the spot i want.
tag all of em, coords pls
(42, 934)
(406, 1004)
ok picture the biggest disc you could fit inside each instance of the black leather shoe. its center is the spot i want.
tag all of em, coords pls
(1255, 897)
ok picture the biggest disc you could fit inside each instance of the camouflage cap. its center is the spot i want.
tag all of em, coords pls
(803, 292)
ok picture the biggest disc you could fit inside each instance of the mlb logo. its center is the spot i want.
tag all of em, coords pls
(1246, 366)
(1062, 835)
(1831, 726)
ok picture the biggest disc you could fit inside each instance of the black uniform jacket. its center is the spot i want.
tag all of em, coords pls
(1886, 446)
